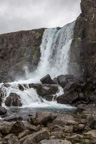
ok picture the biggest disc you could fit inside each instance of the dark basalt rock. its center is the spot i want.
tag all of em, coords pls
(70, 97)
(44, 89)
(3, 111)
(17, 50)
(47, 80)
(13, 100)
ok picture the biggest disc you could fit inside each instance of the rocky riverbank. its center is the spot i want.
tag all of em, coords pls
(77, 127)
(45, 128)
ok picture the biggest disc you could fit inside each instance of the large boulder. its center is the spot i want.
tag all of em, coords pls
(70, 97)
(3, 111)
(62, 81)
(44, 89)
(64, 119)
(47, 80)
(42, 118)
(70, 86)
(13, 100)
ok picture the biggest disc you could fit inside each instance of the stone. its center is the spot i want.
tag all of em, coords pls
(5, 127)
(33, 128)
(44, 90)
(17, 127)
(36, 137)
(3, 111)
(11, 139)
(12, 118)
(55, 141)
(70, 97)
(43, 118)
(70, 86)
(23, 134)
(13, 100)
(64, 119)
(47, 80)
(92, 133)
(62, 81)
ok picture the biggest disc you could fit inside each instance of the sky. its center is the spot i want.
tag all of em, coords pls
(16, 15)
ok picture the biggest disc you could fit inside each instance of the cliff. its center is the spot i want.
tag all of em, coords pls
(83, 48)
(17, 50)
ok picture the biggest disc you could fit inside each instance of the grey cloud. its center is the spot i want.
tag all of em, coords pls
(30, 14)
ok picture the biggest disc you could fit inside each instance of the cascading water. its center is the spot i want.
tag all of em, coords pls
(54, 61)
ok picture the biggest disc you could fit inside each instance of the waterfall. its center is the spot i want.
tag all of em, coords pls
(54, 53)
(54, 61)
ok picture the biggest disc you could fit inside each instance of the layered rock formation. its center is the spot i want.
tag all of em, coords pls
(17, 50)
(83, 48)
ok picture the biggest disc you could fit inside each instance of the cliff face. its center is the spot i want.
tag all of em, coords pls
(83, 48)
(88, 8)
(18, 50)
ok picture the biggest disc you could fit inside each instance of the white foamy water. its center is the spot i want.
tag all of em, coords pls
(54, 61)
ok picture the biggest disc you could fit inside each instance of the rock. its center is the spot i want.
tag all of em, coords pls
(68, 128)
(49, 97)
(92, 133)
(43, 118)
(12, 118)
(70, 97)
(89, 38)
(11, 139)
(13, 100)
(44, 90)
(64, 119)
(47, 80)
(3, 111)
(5, 127)
(17, 127)
(55, 141)
(36, 137)
(62, 81)
(33, 128)
(23, 134)
(70, 86)
(75, 138)
(24, 48)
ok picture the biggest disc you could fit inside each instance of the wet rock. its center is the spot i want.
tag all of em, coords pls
(5, 127)
(44, 90)
(62, 81)
(3, 111)
(36, 137)
(70, 86)
(17, 127)
(13, 100)
(12, 118)
(49, 98)
(70, 97)
(55, 141)
(47, 80)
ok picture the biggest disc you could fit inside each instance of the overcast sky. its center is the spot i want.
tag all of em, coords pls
(18, 15)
